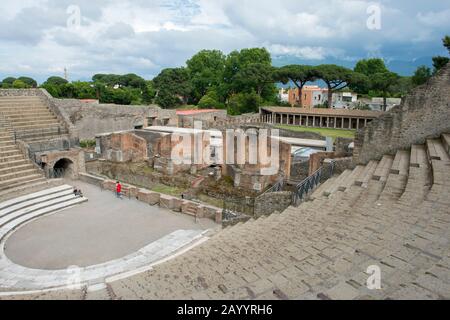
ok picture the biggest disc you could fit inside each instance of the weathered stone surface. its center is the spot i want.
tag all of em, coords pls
(423, 113)
(149, 197)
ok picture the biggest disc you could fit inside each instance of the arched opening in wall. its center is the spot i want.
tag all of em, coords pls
(63, 168)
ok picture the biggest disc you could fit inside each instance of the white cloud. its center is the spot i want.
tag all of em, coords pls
(144, 36)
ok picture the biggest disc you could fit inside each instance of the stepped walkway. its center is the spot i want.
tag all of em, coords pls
(29, 119)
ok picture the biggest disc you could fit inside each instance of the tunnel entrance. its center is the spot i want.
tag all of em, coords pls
(63, 168)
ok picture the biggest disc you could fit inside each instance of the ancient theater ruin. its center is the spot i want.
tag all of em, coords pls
(314, 223)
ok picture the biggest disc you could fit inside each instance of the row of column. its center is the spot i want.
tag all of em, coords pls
(324, 121)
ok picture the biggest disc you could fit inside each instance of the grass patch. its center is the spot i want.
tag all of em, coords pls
(210, 200)
(326, 132)
(171, 191)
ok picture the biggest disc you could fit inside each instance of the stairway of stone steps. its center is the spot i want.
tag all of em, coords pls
(36, 204)
(322, 248)
(30, 119)
(15, 169)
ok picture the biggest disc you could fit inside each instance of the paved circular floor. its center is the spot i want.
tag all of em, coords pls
(103, 229)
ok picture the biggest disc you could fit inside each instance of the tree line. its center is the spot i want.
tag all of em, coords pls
(241, 81)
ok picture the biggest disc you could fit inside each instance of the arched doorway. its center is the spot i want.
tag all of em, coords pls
(63, 168)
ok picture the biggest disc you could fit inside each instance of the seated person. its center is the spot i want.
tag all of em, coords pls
(77, 192)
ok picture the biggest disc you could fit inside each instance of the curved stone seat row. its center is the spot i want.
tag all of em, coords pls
(16, 212)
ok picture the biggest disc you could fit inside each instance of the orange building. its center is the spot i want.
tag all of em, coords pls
(312, 96)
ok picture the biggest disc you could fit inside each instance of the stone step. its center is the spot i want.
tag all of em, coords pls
(367, 174)
(21, 181)
(8, 159)
(11, 147)
(351, 178)
(6, 138)
(28, 117)
(40, 135)
(6, 110)
(14, 163)
(12, 213)
(30, 126)
(398, 177)
(34, 122)
(17, 174)
(6, 143)
(446, 142)
(23, 201)
(418, 156)
(335, 185)
(27, 114)
(14, 168)
(5, 154)
(21, 98)
(436, 150)
(44, 137)
(401, 162)
(19, 218)
(318, 193)
(383, 168)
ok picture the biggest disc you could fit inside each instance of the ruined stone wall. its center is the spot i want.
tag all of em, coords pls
(208, 119)
(424, 113)
(270, 202)
(122, 147)
(92, 119)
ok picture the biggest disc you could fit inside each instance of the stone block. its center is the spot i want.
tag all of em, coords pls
(209, 212)
(109, 185)
(177, 204)
(149, 197)
(167, 202)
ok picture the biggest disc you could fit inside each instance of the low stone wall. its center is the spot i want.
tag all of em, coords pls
(122, 172)
(270, 202)
(424, 113)
(152, 198)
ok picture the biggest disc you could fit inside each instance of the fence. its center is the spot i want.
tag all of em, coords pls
(304, 188)
(277, 187)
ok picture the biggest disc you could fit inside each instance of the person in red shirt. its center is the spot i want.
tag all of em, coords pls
(118, 189)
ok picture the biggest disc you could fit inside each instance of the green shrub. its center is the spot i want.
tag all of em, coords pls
(87, 144)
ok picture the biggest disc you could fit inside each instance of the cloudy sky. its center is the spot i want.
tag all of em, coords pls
(39, 38)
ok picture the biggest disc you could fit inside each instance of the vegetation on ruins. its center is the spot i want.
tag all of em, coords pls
(423, 73)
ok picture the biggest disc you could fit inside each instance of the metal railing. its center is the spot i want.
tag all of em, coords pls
(307, 186)
(277, 187)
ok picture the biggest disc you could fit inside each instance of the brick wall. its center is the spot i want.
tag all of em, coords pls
(424, 113)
